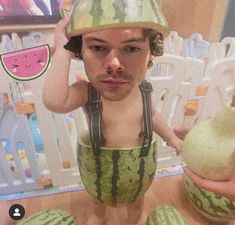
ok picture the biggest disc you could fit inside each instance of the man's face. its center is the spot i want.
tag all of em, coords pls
(115, 60)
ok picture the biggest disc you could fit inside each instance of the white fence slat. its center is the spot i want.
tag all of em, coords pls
(222, 86)
(196, 47)
(229, 45)
(173, 44)
(65, 146)
(47, 122)
(15, 128)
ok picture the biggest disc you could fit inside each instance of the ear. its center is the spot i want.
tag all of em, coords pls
(151, 57)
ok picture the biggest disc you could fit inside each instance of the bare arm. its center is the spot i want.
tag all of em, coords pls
(58, 96)
(165, 132)
(182, 131)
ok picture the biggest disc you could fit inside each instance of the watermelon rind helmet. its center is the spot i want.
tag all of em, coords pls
(93, 15)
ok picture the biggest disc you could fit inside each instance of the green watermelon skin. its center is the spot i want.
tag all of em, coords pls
(116, 176)
(90, 15)
(49, 217)
(214, 207)
(165, 215)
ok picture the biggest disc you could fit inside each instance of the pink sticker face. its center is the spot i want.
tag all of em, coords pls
(27, 64)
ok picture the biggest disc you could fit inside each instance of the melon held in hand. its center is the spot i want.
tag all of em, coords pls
(209, 147)
(209, 150)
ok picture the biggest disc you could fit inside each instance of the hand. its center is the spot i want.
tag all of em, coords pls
(176, 143)
(181, 132)
(224, 188)
(60, 38)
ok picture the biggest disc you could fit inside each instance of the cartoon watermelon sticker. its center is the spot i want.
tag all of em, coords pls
(27, 64)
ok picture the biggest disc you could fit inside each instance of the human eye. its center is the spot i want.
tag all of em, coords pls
(132, 49)
(98, 48)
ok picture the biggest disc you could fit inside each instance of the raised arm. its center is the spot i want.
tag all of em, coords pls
(58, 96)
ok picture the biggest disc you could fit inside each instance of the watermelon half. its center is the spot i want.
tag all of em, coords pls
(92, 15)
(27, 64)
(49, 217)
(116, 176)
(214, 207)
(165, 215)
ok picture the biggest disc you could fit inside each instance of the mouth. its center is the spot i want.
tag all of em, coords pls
(114, 82)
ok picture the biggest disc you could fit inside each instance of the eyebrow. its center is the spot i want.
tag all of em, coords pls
(134, 40)
(126, 41)
(94, 39)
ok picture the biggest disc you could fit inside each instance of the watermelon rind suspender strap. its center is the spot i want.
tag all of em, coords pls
(147, 133)
(94, 111)
(146, 89)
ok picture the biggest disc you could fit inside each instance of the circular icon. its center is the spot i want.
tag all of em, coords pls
(16, 212)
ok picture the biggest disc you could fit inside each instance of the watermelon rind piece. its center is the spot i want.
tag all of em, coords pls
(116, 176)
(4, 58)
(212, 206)
(165, 215)
(49, 217)
(93, 15)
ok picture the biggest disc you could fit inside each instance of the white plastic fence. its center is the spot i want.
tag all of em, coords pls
(175, 79)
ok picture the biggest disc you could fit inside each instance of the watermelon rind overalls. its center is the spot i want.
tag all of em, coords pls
(116, 176)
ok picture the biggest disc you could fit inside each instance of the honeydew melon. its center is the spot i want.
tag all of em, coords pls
(209, 147)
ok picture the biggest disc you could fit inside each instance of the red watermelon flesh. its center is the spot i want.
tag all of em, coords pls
(27, 64)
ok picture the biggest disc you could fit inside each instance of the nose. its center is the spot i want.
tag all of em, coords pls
(113, 63)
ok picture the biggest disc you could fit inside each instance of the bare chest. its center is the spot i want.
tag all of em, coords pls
(122, 125)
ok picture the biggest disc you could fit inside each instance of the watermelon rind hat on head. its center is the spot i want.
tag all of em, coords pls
(93, 15)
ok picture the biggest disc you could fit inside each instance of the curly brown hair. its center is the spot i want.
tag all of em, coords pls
(155, 43)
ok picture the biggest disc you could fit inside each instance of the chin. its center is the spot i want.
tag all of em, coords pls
(115, 95)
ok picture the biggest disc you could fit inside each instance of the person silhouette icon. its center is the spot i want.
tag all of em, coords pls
(17, 212)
